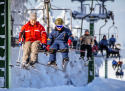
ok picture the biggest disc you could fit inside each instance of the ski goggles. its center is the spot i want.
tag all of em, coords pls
(59, 26)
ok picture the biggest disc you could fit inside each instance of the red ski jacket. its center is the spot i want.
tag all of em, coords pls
(33, 33)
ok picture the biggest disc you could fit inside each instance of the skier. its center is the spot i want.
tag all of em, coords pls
(104, 44)
(121, 73)
(119, 63)
(32, 35)
(114, 64)
(86, 43)
(112, 41)
(59, 39)
(95, 46)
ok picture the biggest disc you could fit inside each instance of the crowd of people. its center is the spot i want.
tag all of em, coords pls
(92, 46)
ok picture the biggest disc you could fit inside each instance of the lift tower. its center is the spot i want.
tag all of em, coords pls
(5, 42)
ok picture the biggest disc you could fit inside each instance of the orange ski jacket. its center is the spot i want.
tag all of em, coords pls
(33, 33)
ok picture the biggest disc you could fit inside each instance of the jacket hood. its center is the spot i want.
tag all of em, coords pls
(103, 37)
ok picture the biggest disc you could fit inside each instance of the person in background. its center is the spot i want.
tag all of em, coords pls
(114, 64)
(95, 46)
(86, 43)
(119, 63)
(104, 44)
(112, 41)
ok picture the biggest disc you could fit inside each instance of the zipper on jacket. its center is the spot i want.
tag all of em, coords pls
(64, 36)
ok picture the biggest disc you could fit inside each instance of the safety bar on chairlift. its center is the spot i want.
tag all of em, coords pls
(100, 29)
(117, 31)
(31, 9)
(85, 17)
(109, 29)
(106, 34)
(105, 18)
(64, 9)
(99, 9)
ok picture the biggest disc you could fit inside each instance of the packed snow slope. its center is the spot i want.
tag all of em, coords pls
(76, 74)
(98, 84)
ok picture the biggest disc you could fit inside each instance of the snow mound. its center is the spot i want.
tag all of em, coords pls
(76, 74)
(98, 84)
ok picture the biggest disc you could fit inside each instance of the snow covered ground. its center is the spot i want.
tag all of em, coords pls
(99, 84)
(76, 74)
(75, 78)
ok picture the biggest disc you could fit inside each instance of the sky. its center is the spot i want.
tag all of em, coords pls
(117, 7)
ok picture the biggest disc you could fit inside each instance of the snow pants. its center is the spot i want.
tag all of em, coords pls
(30, 49)
(58, 45)
(89, 50)
(112, 44)
(107, 52)
(94, 48)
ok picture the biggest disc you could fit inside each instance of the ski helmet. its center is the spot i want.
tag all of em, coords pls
(59, 21)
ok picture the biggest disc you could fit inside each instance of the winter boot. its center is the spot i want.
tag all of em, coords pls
(52, 63)
(32, 64)
(65, 63)
(82, 57)
(88, 59)
(24, 65)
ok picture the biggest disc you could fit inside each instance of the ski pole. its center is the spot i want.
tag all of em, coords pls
(19, 54)
(21, 48)
(20, 51)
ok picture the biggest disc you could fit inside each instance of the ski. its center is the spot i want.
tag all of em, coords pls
(63, 70)
(11, 65)
(30, 67)
(50, 66)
